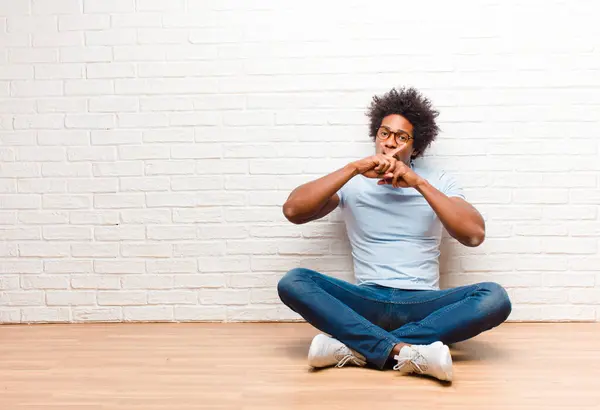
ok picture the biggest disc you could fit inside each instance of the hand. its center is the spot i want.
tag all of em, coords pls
(401, 177)
(377, 165)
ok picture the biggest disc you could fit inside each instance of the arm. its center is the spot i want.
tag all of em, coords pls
(318, 198)
(462, 221)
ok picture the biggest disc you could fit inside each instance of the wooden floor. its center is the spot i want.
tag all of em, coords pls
(263, 366)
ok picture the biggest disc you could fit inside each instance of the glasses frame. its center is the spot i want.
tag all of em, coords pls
(401, 137)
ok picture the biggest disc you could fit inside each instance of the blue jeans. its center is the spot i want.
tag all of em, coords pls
(372, 319)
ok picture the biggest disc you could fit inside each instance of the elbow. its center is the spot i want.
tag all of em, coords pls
(291, 214)
(475, 239)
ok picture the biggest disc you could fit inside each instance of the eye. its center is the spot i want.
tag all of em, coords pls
(384, 133)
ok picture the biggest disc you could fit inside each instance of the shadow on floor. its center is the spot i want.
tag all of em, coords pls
(472, 350)
(298, 350)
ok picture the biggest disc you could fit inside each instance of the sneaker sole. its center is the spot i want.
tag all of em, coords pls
(447, 364)
(315, 346)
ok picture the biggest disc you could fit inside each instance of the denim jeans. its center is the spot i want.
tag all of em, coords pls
(372, 319)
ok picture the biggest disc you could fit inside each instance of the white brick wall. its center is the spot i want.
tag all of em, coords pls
(146, 148)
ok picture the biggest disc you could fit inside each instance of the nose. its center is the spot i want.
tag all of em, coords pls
(390, 142)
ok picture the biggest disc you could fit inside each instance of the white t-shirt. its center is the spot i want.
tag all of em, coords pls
(395, 235)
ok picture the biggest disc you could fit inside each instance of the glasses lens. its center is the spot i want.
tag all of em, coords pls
(383, 133)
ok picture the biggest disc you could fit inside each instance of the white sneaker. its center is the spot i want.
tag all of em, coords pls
(433, 360)
(326, 351)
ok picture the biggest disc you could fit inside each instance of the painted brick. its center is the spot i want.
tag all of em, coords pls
(147, 148)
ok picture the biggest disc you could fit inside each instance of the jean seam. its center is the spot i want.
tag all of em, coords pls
(379, 331)
(447, 308)
(388, 352)
(391, 301)
(349, 290)
(453, 291)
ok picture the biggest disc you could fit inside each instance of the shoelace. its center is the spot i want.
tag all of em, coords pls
(416, 362)
(349, 357)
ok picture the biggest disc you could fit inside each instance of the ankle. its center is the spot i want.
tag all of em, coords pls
(396, 350)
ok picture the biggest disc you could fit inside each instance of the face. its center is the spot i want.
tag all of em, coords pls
(396, 128)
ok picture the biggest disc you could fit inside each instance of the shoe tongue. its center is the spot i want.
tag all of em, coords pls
(342, 352)
(413, 354)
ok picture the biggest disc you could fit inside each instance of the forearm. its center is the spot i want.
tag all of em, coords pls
(462, 221)
(308, 199)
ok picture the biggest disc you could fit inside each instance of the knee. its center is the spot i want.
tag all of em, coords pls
(288, 284)
(495, 304)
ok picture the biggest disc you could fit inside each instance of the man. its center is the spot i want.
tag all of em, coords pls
(395, 209)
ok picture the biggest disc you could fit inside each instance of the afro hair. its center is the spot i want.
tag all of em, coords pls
(412, 105)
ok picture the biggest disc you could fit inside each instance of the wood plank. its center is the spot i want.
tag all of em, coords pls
(263, 366)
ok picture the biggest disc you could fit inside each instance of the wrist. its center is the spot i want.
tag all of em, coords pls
(422, 185)
(352, 168)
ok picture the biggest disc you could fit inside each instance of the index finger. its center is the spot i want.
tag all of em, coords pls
(394, 152)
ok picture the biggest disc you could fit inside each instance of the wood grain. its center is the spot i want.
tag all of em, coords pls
(263, 366)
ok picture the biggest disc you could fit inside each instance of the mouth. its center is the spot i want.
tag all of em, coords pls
(395, 152)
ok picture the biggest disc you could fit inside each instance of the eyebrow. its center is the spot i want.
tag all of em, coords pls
(395, 132)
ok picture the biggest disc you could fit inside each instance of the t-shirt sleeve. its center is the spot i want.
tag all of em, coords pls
(346, 191)
(341, 193)
(450, 186)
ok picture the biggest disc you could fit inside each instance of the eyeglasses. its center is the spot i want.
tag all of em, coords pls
(401, 137)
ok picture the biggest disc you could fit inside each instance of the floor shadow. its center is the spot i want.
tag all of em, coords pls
(297, 350)
(430, 379)
(476, 350)
(467, 351)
